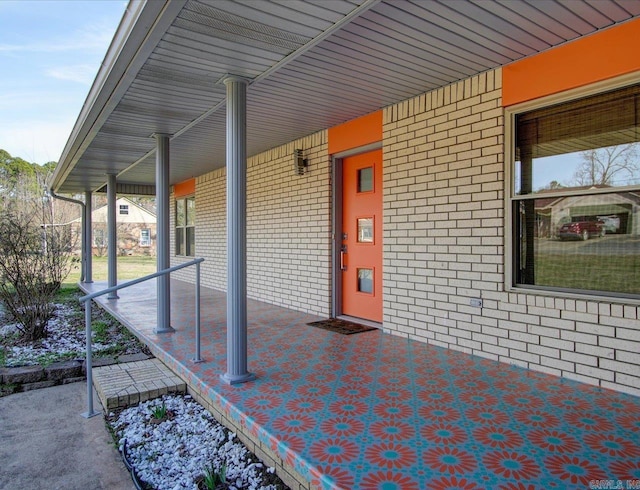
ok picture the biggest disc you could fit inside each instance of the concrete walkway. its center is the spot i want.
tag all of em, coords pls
(46, 444)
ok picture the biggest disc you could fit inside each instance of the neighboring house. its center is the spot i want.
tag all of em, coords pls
(391, 153)
(619, 211)
(136, 229)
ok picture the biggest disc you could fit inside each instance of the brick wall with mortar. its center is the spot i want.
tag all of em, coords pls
(288, 227)
(444, 245)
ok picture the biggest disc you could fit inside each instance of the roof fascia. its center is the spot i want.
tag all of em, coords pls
(141, 28)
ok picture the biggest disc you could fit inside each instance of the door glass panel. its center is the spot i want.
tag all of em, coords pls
(365, 179)
(365, 230)
(365, 280)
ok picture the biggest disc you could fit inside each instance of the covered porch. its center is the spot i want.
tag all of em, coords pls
(372, 410)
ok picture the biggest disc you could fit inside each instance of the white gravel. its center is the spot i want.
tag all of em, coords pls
(173, 453)
(63, 338)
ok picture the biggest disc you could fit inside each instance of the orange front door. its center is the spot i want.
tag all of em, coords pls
(361, 252)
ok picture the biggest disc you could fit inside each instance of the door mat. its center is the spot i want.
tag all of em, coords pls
(341, 326)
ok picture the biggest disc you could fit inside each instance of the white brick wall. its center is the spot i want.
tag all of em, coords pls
(443, 245)
(288, 228)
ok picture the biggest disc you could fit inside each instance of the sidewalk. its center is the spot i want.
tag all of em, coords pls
(46, 444)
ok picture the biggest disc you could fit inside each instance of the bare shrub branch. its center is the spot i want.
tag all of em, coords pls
(34, 260)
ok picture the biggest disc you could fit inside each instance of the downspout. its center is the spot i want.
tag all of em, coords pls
(83, 253)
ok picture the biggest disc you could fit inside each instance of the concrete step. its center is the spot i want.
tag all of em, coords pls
(125, 384)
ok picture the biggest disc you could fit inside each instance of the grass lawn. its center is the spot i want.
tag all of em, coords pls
(129, 267)
(594, 272)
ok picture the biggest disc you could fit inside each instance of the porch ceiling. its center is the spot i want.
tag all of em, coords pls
(311, 65)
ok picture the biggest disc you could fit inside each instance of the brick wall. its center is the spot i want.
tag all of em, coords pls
(444, 246)
(288, 227)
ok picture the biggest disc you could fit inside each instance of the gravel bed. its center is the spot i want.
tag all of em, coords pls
(65, 339)
(174, 452)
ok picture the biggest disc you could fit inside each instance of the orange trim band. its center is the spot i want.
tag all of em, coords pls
(591, 59)
(185, 188)
(355, 133)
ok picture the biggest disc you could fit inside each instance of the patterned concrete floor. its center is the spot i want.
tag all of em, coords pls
(373, 411)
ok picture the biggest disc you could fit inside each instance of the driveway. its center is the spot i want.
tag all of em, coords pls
(607, 245)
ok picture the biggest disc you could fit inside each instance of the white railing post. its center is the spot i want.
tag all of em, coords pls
(198, 358)
(89, 364)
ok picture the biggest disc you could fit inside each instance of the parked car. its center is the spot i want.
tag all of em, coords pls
(611, 223)
(581, 230)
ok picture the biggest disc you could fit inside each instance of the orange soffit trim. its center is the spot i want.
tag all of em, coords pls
(587, 60)
(184, 188)
(358, 132)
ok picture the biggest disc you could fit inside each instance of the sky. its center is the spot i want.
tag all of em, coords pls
(50, 53)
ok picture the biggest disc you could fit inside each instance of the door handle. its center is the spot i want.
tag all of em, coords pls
(343, 253)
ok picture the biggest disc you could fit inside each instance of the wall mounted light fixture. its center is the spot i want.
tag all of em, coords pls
(299, 162)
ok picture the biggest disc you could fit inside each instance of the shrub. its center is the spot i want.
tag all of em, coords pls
(34, 260)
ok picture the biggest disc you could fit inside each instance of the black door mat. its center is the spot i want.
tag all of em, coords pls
(341, 326)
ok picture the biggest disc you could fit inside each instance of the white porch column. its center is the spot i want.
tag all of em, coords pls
(236, 232)
(112, 236)
(163, 230)
(88, 238)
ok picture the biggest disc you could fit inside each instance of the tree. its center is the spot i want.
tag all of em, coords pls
(34, 248)
(15, 173)
(613, 165)
(553, 185)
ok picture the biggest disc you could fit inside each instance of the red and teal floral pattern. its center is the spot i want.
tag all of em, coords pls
(392, 430)
(496, 436)
(574, 470)
(444, 434)
(377, 412)
(450, 460)
(454, 483)
(334, 450)
(342, 426)
(512, 465)
(388, 480)
(390, 455)
(554, 441)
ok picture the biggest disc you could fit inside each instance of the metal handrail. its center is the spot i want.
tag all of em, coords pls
(86, 299)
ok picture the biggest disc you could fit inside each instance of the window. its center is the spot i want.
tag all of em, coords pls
(575, 204)
(185, 226)
(99, 239)
(365, 230)
(365, 179)
(124, 209)
(365, 281)
(145, 237)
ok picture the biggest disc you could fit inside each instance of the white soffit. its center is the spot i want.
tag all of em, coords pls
(312, 64)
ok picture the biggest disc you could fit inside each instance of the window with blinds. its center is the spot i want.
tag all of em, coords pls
(185, 226)
(576, 195)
